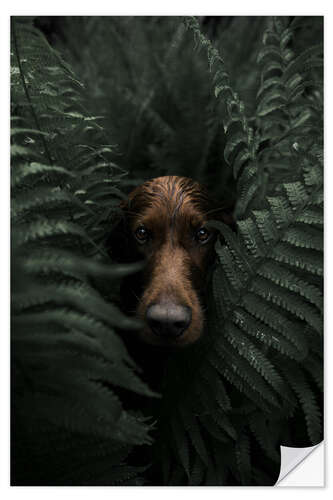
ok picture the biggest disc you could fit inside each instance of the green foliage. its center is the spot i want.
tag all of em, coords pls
(266, 285)
(153, 93)
(67, 359)
(255, 381)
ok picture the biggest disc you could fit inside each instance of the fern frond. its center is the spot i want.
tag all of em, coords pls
(243, 458)
(307, 400)
(241, 140)
(66, 353)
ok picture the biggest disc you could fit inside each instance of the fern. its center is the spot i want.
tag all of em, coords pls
(289, 98)
(255, 381)
(66, 352)
(268, 299)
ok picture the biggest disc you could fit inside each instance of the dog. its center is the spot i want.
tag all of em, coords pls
(165, 223)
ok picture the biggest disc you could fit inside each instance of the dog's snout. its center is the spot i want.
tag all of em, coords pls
(168, 319)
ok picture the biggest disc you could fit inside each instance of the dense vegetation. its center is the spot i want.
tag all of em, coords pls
(236, 103)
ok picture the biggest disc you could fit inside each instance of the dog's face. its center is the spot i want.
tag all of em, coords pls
(166, 219)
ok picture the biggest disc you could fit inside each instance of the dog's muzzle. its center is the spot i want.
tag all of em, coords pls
(168, 320)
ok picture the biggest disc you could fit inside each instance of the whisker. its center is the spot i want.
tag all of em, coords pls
(135, 295)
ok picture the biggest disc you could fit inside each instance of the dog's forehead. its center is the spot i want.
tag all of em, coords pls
(162, 215)
(170, 195)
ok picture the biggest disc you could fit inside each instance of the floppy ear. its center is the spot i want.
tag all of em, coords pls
(119, 242)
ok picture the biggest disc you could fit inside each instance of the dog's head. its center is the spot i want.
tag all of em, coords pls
(165, 221)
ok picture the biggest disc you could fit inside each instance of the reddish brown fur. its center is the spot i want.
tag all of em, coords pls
(172, 209)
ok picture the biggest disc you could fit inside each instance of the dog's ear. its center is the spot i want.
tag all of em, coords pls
(118, 241)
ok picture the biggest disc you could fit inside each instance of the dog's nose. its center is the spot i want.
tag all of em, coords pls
(168, 319)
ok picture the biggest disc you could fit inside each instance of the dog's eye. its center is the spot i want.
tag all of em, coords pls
(141, 234)
(202, 235)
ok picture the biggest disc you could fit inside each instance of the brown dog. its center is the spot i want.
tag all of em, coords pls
(166, 220)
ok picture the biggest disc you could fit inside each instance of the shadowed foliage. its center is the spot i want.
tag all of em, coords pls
(235, 103)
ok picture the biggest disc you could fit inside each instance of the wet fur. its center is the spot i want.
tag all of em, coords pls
(173, 209)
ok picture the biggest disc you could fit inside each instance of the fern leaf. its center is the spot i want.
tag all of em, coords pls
(243, 458)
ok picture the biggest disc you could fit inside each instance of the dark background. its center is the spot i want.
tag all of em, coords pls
(82, 414)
